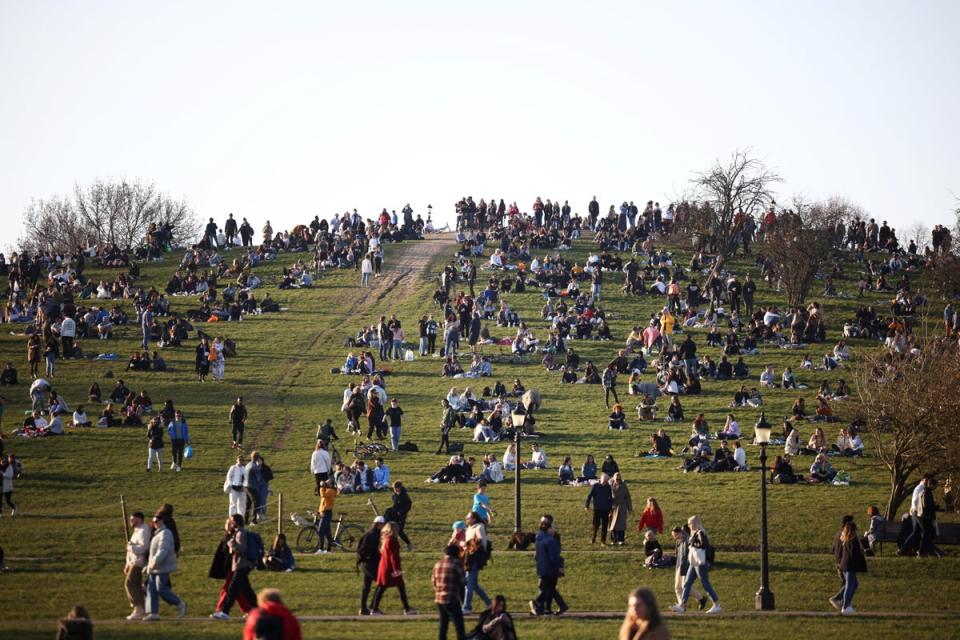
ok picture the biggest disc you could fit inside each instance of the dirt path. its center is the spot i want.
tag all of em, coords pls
(404, 272)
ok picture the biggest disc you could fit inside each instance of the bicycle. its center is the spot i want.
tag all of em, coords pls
(345, 536)
(368, 450)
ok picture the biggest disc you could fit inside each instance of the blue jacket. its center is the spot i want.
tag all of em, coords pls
(602, 497)
(549, 562)
(178, 430)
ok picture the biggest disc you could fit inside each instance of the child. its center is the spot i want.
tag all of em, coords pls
(481, 503)
(459, 535)
(651, 549)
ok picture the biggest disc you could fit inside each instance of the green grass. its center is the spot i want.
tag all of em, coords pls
(68, 546)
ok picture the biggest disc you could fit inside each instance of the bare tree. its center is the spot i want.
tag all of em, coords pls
(106, 213)
(909, 406)
(803, 240)
(920, 234)
(742, 184)
(52, 225)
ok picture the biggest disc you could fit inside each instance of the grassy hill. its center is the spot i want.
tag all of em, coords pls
(66, 546)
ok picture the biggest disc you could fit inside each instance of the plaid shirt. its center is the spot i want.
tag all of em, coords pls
(448, 580)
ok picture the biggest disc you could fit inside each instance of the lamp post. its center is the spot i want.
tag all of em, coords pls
(518, 420)
(764, 600)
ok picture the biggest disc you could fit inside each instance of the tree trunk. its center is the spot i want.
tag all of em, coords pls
(898, 493)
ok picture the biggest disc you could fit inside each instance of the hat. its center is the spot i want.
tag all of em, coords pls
(379, 520)
(459, 524)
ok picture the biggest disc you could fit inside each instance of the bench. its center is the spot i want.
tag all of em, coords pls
(948, 533)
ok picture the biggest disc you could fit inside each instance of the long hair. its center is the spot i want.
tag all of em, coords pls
(386, 531)
(849, 532)
(632, 626)
(695, 524)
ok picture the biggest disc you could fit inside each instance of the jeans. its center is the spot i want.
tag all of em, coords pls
(151, 454)
(423, 345)
(326, 534)
(704, 574)
(397, 349)
(849, 587)
(51, 363)
(395, 437)
(158, 586)
(176, 450)
(915, 535)
(450, 612)
(473, 586)
(385, 345)
(691, 366)
(365, 280)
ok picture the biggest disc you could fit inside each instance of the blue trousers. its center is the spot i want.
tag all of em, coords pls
(704, 574)
(158, 586)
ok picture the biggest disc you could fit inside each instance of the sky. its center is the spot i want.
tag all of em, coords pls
(290, 110)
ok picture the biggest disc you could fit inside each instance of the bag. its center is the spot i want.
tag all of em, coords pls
(698, 556)
(188, 452)
(408, 446)
(335, 370)
(408, 356)
(254, 552)
(456, 447)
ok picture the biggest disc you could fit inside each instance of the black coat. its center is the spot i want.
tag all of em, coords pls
(851, 557)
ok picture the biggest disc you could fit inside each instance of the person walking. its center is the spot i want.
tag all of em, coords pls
(399, 510)
(366, 270)
(8, 471)
(221, 568)
(681, 538)
(320, 465)
(233, 487)
(601, 497)
(621, 507)
(155, 443)
(476, 547)
(138, 548)
(699, 567)
(242, 546)
(179, 434)
(238, 420)
(642, 620)
(390, 572)
(850, 561)
(549, 562)
(610, 384)
(927, 513)
(368, 560)
(836, 600)
(255, 486)
(161, 562)
(448, 582)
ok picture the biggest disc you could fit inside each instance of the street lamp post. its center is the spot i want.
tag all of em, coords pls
(518, 422)
(764, 600)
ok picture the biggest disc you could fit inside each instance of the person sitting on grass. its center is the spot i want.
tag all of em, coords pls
(675, 410)
(652, 551)
(799, 410)
(538, 458)
(781, 471)
(80, 418)
(869, 539)
(817, 442)
(279, 557)
(565, 473)
(821, 470)
(768, 377)
(662, 446)
(588, 470)
(731, 429)
(700, 458)
(617, 419)
(787, 380)
(647, 409)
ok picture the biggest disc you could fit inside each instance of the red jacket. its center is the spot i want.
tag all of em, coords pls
(389, 564)
(651, 519)
(291, 626)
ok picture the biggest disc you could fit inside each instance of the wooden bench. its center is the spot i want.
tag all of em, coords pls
(949, 533)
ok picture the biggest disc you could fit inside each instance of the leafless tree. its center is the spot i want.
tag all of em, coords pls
(106, 213)
(909, 405)
(742, 184)
(803, 240)
(920, 234)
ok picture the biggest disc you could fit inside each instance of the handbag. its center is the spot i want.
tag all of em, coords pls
(698, 556)
(188, 452)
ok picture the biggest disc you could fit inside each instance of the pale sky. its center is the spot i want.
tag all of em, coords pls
(282, 111)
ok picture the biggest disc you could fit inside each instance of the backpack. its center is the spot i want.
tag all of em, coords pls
(268, 627)
(255, 549)
(266, 473)
(408, 446)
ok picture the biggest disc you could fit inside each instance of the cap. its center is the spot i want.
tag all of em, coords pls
(459, 524)
(379, 520)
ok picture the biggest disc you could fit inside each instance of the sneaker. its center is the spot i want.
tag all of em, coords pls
(321, 551)
(678, 608)
(173, 465)
(466, 612)
(136, 615)
(376, 612)
(533, 609)
(181, 609)
(836, 604)
(364, 612)
(220, 615)
(714, 609)
(152, 617)
(410, 612)
(848, 611)
(178, 469)
(703, 603)
(562, 610)
(409, 546)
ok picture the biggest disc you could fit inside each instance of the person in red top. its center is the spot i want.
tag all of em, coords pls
(271, 619)
(651, 518)
(389, 573)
